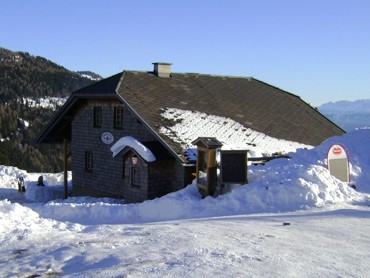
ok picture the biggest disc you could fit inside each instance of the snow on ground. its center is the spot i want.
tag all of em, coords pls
(293, 219)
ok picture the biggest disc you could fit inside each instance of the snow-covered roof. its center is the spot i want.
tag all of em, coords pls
(140, 149)
(188, 125)
(238, 106)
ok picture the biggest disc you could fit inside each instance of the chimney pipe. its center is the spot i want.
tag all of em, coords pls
(162, 69)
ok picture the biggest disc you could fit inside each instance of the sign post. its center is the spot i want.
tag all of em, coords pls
(234, 166)
(207, 165)
(338, 162)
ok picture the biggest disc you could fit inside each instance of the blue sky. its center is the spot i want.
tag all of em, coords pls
(316, 49)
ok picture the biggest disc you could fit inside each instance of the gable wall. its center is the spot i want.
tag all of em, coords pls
(106, 178)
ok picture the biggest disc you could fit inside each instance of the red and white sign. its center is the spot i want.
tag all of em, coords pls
(338, 162)
(337, 151)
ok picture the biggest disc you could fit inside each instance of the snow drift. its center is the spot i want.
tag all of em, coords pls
(41, 237)
(281, 185)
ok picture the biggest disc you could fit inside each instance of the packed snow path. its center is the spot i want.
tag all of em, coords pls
(317, 243)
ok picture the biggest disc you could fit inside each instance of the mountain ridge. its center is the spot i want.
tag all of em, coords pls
(25, 80)
(360, 105)
(348, 114)
(25, 75)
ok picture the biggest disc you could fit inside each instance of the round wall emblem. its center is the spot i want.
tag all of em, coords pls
(107, 138)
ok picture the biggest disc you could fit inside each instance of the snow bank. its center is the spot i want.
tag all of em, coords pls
(18, 222)
(281, 185)
(53, 185)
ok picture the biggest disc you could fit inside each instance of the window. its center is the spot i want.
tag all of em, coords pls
(98, 116)
(202, 161)
(88, 160)
(118, 117)
(136, 176)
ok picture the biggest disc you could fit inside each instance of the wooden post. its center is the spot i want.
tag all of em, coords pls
(65, 169)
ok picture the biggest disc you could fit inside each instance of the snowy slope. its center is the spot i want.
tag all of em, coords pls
(292, 220)
(47, 102)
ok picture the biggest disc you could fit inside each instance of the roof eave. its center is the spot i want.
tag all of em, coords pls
(62, 115)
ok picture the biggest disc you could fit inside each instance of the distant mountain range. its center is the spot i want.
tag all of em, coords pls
(348, 115)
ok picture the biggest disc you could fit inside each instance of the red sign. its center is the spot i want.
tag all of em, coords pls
(337, 150)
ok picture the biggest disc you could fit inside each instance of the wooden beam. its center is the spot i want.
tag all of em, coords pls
(65, 169)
